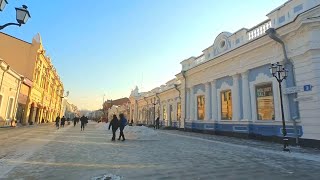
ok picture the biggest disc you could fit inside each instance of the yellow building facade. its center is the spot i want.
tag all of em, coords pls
(43, 102)
(10, 82)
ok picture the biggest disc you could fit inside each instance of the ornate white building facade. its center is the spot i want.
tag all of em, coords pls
(229, 89)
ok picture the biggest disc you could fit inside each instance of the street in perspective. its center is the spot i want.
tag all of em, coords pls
(170, 89)
(68, 153)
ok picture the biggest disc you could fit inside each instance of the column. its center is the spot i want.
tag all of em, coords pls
(207, 102)
(161, 111)
(191, 104)
(175, 109)
(183, 109)
(168, 114)
(214, 100)
(286, 108)
(246, 96)
(235, 98)
(187, 105)
(136, 111)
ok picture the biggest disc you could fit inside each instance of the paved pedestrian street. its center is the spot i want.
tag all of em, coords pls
(44, 152)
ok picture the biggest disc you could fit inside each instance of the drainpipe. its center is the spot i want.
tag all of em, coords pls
(271, 32)
(185, 99)
(176, 87)
(4, 71)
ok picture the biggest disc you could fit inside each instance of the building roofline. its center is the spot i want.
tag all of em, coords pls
(253, 39)
(279, 7)
(16, 38)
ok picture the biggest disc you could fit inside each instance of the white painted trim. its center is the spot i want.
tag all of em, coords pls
(214, 105)
(198, 93)
(10, 97)
(224, 86)
(263, 79)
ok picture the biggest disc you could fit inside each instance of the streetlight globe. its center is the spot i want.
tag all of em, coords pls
(273, 69)
(279, 67)
(3, 4)
(284, 73)
(22, 14)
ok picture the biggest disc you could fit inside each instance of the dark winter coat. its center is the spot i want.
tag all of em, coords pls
(63, 120)
(57, 120)
(83, 120)
(114, 123)
(123, 122)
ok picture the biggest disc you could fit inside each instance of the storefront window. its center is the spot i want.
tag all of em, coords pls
(164, 112)
(264, 98)
(201, 108)
(226, 105)
(178, 111)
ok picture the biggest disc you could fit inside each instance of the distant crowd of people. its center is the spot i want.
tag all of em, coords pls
(115, 124)
(61, 122)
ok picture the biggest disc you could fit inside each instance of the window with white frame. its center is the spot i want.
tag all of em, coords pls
(178, 111)
(10, 108)
(226, 105)
(265, 104)
(164, 111)
(200, 107)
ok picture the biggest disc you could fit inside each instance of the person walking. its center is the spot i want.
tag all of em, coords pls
(74, 121)
(157, 123)
(57, 121)
(63, 120)
(122, 123)
(83, 121)
(115, 125)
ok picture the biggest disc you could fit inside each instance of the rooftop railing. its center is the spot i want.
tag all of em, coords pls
(259, 30)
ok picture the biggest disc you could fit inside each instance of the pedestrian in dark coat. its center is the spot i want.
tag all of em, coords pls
(157, 123)
(83, 121)
(63, 120)
(114, 123)
(74, 121)
(57, 122)
(122, 123)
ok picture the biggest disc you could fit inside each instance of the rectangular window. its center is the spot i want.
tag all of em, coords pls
(298, 8)
(264, 98)
(281, 19)
(164, 115)
(200, 107)
(9, 108)
(226, 105)
(238, 41)
(178, 111)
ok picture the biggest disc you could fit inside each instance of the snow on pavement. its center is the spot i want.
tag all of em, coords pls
(133, 132)
(21, 152)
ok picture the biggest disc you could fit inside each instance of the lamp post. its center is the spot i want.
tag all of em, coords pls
(280, 73)
(67, 94)
(154, 102)
(22, 14)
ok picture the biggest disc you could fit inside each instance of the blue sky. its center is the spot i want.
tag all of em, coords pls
(110, 46)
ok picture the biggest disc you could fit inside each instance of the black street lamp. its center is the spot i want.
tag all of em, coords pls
(22, 14)
(280, 73)
(154, 103)
(67, 94)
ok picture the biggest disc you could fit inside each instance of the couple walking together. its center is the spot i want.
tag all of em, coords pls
(115, 123)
